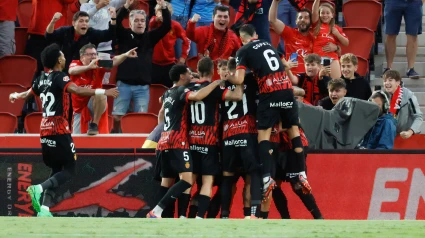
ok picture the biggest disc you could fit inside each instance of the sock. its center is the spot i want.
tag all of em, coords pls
(281, 203)
(215, 204)
(48, 197)
(265, 154)
(256, 188)
(253, 210)
(45, 208)
(169, 211)
(226, 195)
(56, 180)
(300, 157)
(247, 211)
(264, 215)
(310, 203)
(173, 193)
(183, 204)
(193, 209)
(203, 203)
(157, 210)
(40, 187)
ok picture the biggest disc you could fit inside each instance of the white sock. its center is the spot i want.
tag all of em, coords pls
(303, 174)
(157, 210)
(40, 187)
(199, 217)
(266, 179)
(45, 208)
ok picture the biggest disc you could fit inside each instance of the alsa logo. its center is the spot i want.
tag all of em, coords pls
(196, 133)
(382, 194)
(236, 143)
(100, 194)
(285, 105)
(235, 125)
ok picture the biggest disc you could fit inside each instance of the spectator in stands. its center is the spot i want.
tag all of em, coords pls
(85, 72)
(382, 134)
(325, 31)
(288, 15)
(254, 12)
(7, 27)
(315, 79)
(72, 38)
(357, 86)
(337, 90)
(222, 69)
(135, 75)
(394, 10)
(216, 41)
(43, 11)
(403, 105)
(164, 55)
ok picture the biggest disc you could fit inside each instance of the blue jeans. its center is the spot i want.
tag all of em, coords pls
(394, 10)
(139, 94)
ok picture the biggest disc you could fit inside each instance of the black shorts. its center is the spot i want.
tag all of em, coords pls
(277, 106)
(174, 161)
(58, 150)
(240, 151)
(205, 159)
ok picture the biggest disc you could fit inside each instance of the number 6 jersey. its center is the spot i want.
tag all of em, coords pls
(51, 88)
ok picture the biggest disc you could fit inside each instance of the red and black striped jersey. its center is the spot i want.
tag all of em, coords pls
(286, 143)
(51, 88)
(263, 60)
(174, 135)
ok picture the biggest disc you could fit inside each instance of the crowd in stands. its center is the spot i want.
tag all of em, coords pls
(144, 39)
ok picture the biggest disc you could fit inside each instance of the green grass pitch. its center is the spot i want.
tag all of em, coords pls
(135, 227)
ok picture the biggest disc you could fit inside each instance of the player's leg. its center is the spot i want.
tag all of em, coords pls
(48, 196)
(215, 203)
(205, 195)
(280, 201)
(166, 183)
(228, 162)
(265, 207)
(97, 106)
(184, 200)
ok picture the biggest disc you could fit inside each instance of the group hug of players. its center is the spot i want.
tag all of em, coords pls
(246, 125)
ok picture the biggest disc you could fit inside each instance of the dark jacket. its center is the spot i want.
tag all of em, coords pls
(382, 134)
(308, 84)
(138, 71)
(326, 103)
(358, 87)
(64, 37)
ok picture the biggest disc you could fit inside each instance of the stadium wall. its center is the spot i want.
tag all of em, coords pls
(120, 183)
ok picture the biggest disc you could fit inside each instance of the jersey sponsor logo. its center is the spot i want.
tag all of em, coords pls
(66, 78)
(200, 149)
(50, 143)
(237, 143)
(169, 100)
(259, 11)
(232, 87)
(285, 105)
(235, 125)
(47, 124)
(44, 82)
(194, 133)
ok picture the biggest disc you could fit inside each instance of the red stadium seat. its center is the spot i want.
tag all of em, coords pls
(21, 37)
(24, 13)
(142, 5)
(363, 66)
(126, 23)
(110, 122)
(192, 63)
(110, 100)
(155, 92)
(32, 123)
(18, 69)
(361, 41)
(8, 122)
(138, 122)
(370, 13)
(309, 4)
(5, 105)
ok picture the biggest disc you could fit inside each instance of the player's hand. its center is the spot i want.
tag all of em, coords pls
(406, 134)
(112, 12)
(112, 92)
(330, 47)
(13, 97)
(195, 18)
(131, 53)
(56, 17)
(128, 3)
(93, 64)
(181, 61)
(325, 71)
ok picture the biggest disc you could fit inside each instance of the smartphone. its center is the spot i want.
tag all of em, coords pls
(326, 62)
(294, 57)
(105, 64)
(377, 88)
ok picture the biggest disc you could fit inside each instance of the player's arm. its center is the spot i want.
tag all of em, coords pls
(235, 95)
(276, 24)
(24, 95)
(161, 115)
(82, 91)
(239, 77)
(203, 92)
(117, 60)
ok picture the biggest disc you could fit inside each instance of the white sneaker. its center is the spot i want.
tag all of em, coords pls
(183, 217)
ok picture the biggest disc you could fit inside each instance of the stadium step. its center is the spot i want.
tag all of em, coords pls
(402, 67)
(402, 39)
(409, 83)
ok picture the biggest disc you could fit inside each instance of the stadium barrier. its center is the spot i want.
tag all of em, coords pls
(119, 183)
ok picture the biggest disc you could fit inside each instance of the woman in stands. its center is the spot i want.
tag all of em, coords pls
(326, 31)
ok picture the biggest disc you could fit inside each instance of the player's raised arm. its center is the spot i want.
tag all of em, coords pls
(203, 92)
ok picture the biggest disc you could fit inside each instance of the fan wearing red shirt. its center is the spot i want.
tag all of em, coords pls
(7, 26)
(86, 73)
(164, 55)
(325, 31)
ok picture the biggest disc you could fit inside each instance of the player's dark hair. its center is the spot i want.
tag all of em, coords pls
(80, 14)
(247, 29)
(336, 84)
(85, 47)
(50, 56)
(176, 71)
(310, 58)
(231, 64)
(221, 8)
(222, 63)
(205, 67)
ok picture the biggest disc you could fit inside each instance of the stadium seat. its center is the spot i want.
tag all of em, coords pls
(19, 69)
(110, 100)
(155, 92)
(138, 122)
(32, 123)
(192, 63)
(113, 76)
(8, 122)
(361, 41)
(21, 37)
(309, 4)
(24, 12)
(108, 86)
(5, 105)
(110, 123)
(363, 66)
(370, 10)
(142, 5)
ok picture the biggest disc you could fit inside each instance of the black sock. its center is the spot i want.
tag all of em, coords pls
(169, 211)
(203, 203)
(59, 176)
(310, 204)
(264, 215)
(183, 204)
(193, 210)
(264, 149)
(297, 144)
(247, 211)
(48, 197)
(226, 195)
(173, 193)
(256, 188)
(281, 203)
(215, 205)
